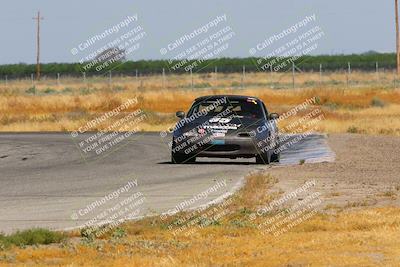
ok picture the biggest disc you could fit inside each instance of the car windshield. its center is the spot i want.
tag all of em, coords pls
(247, 107)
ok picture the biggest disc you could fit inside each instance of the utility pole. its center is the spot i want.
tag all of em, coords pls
(58, 79)
(348, 74)
(163, 78)
(38, 19)
(397, 35)
(320, 74)
(243, 75)
(110, 79)
(293, 74)
(191, 77)
(84, 78)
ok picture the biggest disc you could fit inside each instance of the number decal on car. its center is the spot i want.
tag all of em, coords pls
(220, 120)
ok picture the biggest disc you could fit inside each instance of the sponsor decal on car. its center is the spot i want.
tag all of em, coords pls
(220, 120)
(223, 127)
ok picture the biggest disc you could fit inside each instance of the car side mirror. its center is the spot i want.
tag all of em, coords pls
(273, 116)
(180, 114)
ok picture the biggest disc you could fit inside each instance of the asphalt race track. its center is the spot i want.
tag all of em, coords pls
(46, 180)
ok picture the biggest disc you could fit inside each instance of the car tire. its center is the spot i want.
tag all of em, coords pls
(275, 157)
(177, 158)
(263, 158)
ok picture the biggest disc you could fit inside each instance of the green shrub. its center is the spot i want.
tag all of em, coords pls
(317, 100)
(49, 91)
(377, 102)
(335, 82)
(202, 85)
(88, 234)
(67, 90)
(118, 88)
(119, 233)
(31, 237)
(246, 211)
(310, 83)
(84, 91)
(236, 84)
(352, 129)
(31, 90)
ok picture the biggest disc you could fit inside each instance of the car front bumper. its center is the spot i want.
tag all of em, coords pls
(221, 147)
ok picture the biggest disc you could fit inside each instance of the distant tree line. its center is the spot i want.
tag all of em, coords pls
(365, 62)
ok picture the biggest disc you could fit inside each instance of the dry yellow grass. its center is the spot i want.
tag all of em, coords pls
(70, 105)
(366, 237)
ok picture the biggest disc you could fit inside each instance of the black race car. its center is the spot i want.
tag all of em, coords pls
(226, 126)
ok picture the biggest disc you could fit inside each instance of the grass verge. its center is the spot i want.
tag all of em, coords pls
(225, 235)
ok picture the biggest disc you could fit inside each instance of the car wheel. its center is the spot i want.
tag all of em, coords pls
(275, 157)
(177, 158)
(263, 158)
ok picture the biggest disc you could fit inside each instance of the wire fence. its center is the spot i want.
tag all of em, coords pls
(293, 77)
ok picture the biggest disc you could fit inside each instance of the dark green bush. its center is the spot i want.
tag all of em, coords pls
(353, 129)
(377, 102)
(49, 91)
(31, 237)
(31, 90)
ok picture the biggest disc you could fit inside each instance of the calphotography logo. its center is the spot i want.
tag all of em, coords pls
(191, 51)
(285, 48)
(103, 50)
(105, 214)
(190, 202)
(120, 127)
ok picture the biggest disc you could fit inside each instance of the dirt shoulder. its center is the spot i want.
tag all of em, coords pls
(366, 172)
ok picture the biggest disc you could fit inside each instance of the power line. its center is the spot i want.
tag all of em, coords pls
(38, 19)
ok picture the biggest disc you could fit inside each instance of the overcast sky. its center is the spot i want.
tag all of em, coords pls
(349, 26)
